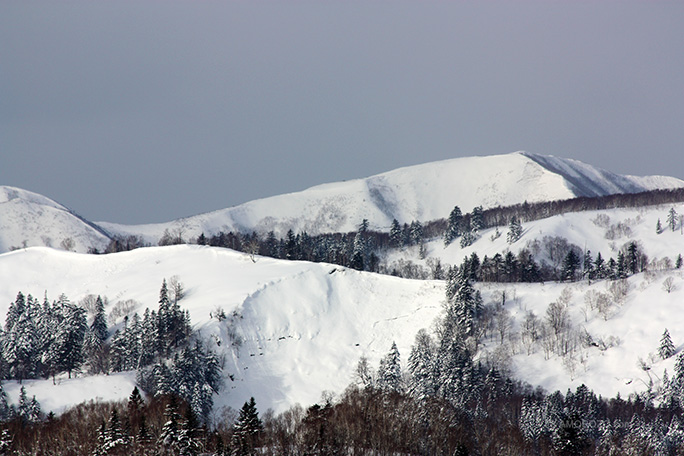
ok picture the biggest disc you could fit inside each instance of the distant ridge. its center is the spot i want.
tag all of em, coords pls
(421, 192)
(30, 219)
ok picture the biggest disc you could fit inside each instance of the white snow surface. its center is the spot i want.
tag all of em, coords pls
(422, 192)
(30, 219)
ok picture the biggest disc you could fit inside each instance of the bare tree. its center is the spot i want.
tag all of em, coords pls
(668, 284)
(67, 244)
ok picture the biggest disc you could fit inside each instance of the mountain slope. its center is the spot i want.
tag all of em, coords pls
(422, 192)
(296, 329)
(302, 326)
(30, 219)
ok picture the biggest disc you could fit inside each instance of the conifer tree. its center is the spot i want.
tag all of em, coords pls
(453, 225)
(570, 266)
(477, 219)
(99, 324)
(170, 434)
(667, 348)
(421, 367)
(389, 372)
(515, 230)
(246, 430)
(672, 219)
(395, 234)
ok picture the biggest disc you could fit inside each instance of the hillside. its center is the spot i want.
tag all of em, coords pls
(303, 326)
(295, 329)
(422, 192)
(30, 219)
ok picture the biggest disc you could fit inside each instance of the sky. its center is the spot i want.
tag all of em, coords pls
(147, 111)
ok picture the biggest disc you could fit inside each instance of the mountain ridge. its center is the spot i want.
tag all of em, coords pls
(423, 192)
(420, 192)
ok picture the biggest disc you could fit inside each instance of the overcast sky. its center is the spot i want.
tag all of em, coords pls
(137, 112)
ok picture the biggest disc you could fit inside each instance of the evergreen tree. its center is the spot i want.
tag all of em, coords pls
(468, 237)
(21, 343)
(622, 269)
(453, 226)
(416, 233)
(421, 367)
(16, 309)
(389, 372)
(672, 219)
(246, 430)
(678, 261)
(5, 442)
(659, 227)
(135, 402)
(357, 259)
(515, 230)
(188, 439)
(5, 410)
(115, 440)
(169, 437)
(632, 258)
(28, 410)
(99, 324)
(477, 219)
(570, 266)
(667, 348)
(395, 234)
(70, 336)
(600, 271)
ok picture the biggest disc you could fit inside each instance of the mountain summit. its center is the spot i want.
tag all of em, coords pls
(421, 192)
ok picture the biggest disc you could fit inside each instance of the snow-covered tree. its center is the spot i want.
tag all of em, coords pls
(421, 367)
(667, 348)
(395, 234)
(99, 325)
(246, 430)
(170, 433)
(477, 219)
(515, 230)
(389, 372)
(453, 225)
(672, 219)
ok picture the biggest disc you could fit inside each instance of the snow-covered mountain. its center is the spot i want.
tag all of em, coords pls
(295, 329)
(30, 219)
(422, 192)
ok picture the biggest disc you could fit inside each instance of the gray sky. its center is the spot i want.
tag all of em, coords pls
(137, 112)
